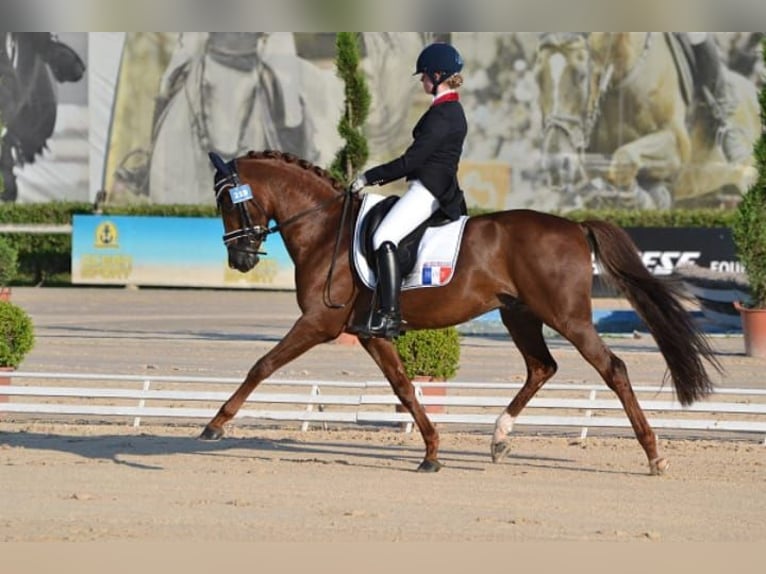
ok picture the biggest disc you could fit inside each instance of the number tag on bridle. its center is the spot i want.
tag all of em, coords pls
(240, 193)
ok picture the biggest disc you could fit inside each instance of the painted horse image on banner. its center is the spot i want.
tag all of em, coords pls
(534, 267)
(30, 64)
(229, 92)
(627, 122)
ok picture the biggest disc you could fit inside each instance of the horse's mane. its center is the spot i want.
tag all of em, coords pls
(302, 163)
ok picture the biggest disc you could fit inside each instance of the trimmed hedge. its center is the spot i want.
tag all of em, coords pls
(9, 264)
(41, 255)
(16, 334)
(430, 352)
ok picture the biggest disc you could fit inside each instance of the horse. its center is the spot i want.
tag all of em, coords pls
(620, 99)
(534, 267)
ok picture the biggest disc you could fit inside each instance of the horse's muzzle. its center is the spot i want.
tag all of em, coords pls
(243, 260)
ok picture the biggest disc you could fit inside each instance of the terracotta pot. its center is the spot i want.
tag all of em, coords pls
(346, 339)
(754, 330)
(5, 293)
(5, 380)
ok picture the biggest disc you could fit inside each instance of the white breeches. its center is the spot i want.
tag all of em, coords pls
(412, 209)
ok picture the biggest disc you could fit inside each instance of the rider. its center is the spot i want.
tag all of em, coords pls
(710, 79)
(430, 166)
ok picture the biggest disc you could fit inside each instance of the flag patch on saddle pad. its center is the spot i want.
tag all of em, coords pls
(437, 273)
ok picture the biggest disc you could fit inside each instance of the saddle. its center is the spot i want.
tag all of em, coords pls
(407, 250)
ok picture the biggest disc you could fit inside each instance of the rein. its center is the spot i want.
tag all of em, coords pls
(346, 214)
(258, 232)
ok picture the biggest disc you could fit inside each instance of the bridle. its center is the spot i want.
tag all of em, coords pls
(240, 195)
(227, 180)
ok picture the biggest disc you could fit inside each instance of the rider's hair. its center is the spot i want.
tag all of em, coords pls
(454, 81)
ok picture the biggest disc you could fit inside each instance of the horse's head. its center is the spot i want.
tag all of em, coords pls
(562, 70)
(245, 221)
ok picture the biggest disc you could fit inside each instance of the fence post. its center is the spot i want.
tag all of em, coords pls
(310, 407)
(141, 403)
(588, 414)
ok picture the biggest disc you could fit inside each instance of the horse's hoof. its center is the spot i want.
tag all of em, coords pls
(500, 450)
(658, 466)
(430, 466)
(211, 433)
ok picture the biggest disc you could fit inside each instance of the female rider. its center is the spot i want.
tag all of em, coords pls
(430, 167)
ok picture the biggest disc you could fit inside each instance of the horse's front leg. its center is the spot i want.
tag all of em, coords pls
(302, 337)
(384, 354)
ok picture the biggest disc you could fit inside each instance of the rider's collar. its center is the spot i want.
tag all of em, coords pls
(447, 96)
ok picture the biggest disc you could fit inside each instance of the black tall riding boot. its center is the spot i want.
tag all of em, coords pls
(386, 320)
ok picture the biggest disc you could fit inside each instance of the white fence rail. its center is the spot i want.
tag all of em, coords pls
(36, 228)
(96, 396)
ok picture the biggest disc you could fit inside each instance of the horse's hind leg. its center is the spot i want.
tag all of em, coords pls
(300, 339)
(612, 369)
(526, 330)
(384, 354)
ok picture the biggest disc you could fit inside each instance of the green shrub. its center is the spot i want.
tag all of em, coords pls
(749, 227)
(9, 262)
(430, 352)
(16, 334)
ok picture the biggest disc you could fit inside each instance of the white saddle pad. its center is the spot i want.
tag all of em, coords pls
(437, 252)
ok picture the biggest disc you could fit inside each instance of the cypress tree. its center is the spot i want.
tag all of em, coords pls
(354, 153)
(749, 227)
(2, 182)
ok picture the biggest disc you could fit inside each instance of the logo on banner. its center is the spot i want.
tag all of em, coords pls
(659, 262)
(436, 273)
(106, 236)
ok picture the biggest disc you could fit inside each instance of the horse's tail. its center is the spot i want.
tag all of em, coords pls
(659, 304)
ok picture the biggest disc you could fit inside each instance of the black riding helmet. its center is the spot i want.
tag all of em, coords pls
(439, 58)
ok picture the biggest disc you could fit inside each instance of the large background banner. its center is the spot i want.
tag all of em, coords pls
(557, 121)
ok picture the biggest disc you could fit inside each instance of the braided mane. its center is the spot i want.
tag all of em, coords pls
(302, 163)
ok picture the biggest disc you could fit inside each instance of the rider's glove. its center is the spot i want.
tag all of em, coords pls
(358, 184)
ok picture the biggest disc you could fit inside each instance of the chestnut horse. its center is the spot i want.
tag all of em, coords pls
(534, 267)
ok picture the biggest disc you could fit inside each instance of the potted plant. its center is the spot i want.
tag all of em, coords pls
(430, 355)
(16, 338)
(749, 233)
(9, 266)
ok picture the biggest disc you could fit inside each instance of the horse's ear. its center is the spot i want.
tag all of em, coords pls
(218, 163)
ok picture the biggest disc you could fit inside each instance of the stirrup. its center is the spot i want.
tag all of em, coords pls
(387, 325)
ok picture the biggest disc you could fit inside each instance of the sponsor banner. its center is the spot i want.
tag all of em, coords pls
(189, 252)
(168, 251)
(663, 249)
